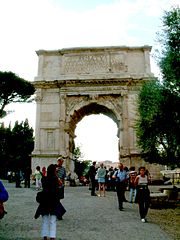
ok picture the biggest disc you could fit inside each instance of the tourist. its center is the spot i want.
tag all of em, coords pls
(27, 177)
(132, 186)
(92, 174)
(18, 178)
(49, 204)
(101, 174)
(9, 176)
(38, 177)
(121, 180)
(61, 173)
(110, 180)
(143, 193)
(44, 172)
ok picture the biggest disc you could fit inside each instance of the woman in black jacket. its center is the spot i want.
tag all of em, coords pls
(49, 205)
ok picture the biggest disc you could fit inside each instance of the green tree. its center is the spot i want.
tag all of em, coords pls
(13, 89)
(22, 136)
(16, 145)
(80, 166)
(158, 127)
(169, 58)
(5, 143)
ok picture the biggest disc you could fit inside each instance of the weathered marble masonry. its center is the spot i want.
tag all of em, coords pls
(76, 82)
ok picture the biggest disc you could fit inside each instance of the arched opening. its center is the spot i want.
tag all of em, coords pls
(95, 109)
(96, 135)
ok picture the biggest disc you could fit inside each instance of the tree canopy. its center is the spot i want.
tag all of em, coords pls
(158, 127)
(16, 146)
(169, 59)
(13, 89)
(80, 166)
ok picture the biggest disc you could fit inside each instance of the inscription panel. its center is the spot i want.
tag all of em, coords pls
(85, 63)
(93, 63)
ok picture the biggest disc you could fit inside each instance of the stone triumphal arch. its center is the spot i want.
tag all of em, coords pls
(73, 83)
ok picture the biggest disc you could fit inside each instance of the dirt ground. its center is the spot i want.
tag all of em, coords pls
(168, 220)
(20, 224)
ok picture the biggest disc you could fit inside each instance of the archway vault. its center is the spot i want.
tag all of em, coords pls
(77, 82)
(89, 109)
(92, 108)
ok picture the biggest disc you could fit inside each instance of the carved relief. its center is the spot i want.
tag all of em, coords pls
(93, 97)
(114, 102)
(72, 101)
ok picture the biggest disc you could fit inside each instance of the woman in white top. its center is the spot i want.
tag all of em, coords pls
(143, 193)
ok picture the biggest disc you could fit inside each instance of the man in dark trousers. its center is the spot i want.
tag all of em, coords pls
(92, 174)
(27, 177)
(121, 179)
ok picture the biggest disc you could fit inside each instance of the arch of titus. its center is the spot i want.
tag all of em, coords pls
(76, 82)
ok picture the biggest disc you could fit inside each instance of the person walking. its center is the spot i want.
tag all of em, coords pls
(92, 174)
(61, 173)
(44, 172)
(121, 179)
(27, 177)
(38, 177)
(18, 178)
(132, 186)
(143, 193)
(101, 173)
(49, 204)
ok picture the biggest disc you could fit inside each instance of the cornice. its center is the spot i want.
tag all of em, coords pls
(92, 49)
(92, 82)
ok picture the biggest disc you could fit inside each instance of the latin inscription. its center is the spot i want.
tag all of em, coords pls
(94, 63)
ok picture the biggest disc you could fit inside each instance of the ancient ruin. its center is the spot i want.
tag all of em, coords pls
(76, 82)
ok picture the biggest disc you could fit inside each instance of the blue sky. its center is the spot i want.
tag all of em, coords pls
(30, 25)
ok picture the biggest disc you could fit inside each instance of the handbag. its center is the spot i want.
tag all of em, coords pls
(41, 196)
(60, 192)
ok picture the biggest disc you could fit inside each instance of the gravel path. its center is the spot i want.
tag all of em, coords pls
(87, 218)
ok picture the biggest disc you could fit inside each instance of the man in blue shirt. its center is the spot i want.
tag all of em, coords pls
(61, 173)
(121, 179)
